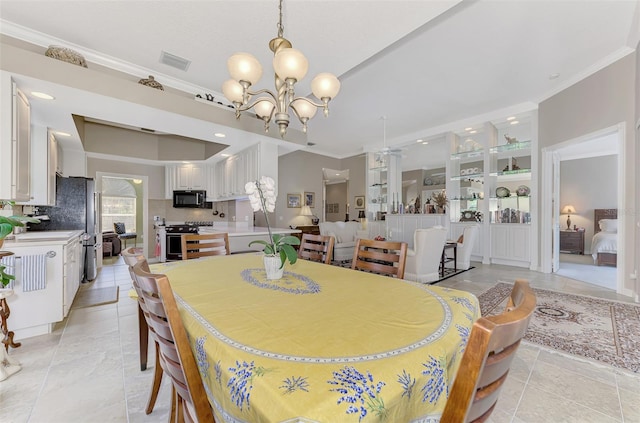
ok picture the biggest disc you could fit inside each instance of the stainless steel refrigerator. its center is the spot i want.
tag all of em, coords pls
(75, 209)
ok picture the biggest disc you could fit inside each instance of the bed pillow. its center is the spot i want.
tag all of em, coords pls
(608, 225)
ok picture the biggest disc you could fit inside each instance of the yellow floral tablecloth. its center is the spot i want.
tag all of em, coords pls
(323, 344)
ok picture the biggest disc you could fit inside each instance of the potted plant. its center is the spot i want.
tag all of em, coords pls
(262, 195)
(440, 199)
(7, 224)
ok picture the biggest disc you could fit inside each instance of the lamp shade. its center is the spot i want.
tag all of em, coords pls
(290, 63)
(568, 209)
(361, 214)
(304, 108)
(264, 107)
(325, 85)
(306, 211)
(232, 90)
(244, 67)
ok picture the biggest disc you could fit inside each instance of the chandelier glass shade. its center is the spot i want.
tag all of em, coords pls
(290, 67)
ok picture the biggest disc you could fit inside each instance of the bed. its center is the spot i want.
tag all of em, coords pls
(604, 245)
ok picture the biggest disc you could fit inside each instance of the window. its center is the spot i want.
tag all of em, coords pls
(118, 209)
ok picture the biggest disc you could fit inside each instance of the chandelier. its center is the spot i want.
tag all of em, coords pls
(290, 67)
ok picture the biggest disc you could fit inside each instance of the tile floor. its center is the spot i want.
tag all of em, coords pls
(87, 370)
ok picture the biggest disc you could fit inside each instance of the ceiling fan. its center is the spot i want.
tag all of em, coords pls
(385, 151)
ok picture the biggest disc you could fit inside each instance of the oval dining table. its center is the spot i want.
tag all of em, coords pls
(322, 344)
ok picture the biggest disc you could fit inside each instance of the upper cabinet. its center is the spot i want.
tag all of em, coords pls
(44, 157)
(15, 142)
(186, 177)
(232, 174)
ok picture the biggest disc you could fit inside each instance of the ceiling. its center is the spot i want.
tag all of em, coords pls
(428, 66)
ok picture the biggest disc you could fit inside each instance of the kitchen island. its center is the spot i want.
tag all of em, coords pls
(241, 236)
(34, 312)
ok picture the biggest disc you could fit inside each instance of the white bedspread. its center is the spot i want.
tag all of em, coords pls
(604, 242)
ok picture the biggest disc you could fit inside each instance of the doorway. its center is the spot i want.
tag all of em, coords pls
(124, 198)
(335, 194)
(568, 172)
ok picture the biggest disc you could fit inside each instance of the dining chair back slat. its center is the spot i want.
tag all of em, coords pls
(316, 248)
(204, 245)
(492, 345)
(383, 257)
(168, 326)
(131, 258)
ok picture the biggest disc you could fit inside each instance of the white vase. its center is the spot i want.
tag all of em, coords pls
(272, 267)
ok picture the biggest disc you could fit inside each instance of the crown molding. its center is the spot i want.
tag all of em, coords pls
(41, 39)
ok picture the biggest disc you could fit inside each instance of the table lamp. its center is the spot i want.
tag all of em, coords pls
(306, 211)
(363, 219)
(568, 210)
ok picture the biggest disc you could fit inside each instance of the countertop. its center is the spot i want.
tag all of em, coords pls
(236, 231)
(30, 239)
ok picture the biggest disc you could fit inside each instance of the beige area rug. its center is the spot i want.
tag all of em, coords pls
(89, 297)
(593, 328)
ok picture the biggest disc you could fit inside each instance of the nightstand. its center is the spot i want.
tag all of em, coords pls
(572, 242)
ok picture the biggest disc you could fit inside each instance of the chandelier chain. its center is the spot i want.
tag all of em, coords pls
(280, 26)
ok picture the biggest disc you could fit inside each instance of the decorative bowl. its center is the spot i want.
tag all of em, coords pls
(66, 55)
(523, 191)
(502, 192)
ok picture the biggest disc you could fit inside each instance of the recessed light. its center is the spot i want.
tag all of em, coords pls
(219, 135)
(554, 76)
(137, 181)
(186, 162)
(473, 132)
(468, 129)
(511, 118)
(43, 96)
(425, 143)
(225, 155)
(62, 134)
(514, 122)
(337, 174)
(418, 140)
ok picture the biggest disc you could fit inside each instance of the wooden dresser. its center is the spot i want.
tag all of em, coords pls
(572, 242)
(308, 229)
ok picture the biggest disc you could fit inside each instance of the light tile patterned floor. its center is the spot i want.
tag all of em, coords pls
(87, 370)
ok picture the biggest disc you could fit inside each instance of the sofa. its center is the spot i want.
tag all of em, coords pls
(115, 245)
(345, 235)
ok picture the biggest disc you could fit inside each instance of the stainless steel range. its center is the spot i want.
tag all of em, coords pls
(174, 241)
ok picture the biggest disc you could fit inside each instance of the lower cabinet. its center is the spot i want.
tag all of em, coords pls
(511, 244)
(35, 312)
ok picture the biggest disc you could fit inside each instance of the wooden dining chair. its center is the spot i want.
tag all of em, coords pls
(492, 345)
(382, 257)
(131, 258)
(192, 404)
(316, 248)
(204, 245)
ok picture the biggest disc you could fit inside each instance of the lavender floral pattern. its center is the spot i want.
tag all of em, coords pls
(293, 384)
(218, 369)
(359, 391)
(203, 362)
(407, 383)
(292, 283)
(240, 384)
(437, 383)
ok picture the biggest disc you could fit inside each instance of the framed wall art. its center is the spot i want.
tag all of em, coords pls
(359, 201)
(310, 199)
(294, 201)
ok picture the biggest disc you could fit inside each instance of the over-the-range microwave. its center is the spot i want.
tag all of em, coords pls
(195, 199)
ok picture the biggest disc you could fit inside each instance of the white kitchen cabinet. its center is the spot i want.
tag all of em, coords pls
(44, 155)
(35, 312)
(15, 142)
(191, 177)
(510, 244)
(71, 272)
(186, 177)
(232, 174)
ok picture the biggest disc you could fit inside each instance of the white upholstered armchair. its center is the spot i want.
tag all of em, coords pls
(423, 261)
(465, 247)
